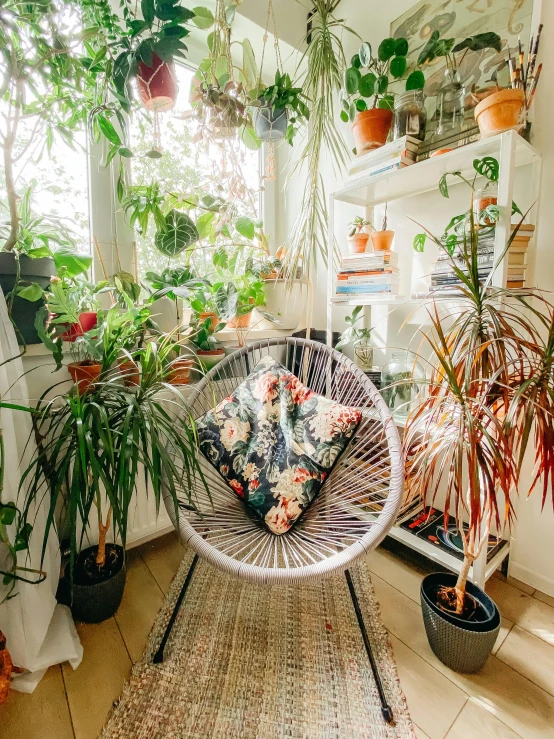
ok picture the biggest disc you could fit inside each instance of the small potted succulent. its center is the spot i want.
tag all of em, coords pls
(358, 235)
(280, 111)
(359, 339)
(366, 100)
(382, 240)
(204, 341)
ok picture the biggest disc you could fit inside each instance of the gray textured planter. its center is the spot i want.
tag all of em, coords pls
(459, 644)
(271, 125)
(96, 601)
(32, 270)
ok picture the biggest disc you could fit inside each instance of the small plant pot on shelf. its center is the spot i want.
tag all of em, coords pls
(179, 371)
(240, 321)
(371, 129)
(84, 374)
(130, 372)
(208, 359)
(157, 85)
(271, 125)
(500, 112)
(357, 244)
(95, 596)
(382, 240)
(461, 644)
(88, 320)
(209, 314)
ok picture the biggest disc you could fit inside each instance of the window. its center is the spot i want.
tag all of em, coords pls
(184, 167)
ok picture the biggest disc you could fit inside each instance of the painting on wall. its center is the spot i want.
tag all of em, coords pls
(459, 19)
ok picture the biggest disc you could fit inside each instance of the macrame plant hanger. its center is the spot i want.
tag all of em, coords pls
(157, 87)
(273, 127)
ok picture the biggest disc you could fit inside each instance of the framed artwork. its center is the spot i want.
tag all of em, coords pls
(459, 19)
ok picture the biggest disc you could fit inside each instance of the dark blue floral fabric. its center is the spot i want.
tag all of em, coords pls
(275, 441)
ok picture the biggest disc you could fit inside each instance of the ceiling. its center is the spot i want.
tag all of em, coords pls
(290, 16)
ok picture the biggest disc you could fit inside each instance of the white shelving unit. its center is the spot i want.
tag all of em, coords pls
(512, 153)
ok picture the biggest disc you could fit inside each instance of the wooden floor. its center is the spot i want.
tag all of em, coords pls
(513, 697)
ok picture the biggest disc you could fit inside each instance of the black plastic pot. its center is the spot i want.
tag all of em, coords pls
(32, 270)
(271, 125)
(95, 601)
(462, 645)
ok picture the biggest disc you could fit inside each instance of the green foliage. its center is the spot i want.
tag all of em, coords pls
(179, 233)
(354, 336)
(203, 332)
(174, 282)
(282, 95)
(93, 447)
(439, 47)
(368, 79)
(143, 202)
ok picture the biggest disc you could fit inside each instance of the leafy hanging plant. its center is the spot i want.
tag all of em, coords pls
(283, 96)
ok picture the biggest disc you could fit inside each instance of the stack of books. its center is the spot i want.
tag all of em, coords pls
(443, 277)
(366, 275)
(388, 158)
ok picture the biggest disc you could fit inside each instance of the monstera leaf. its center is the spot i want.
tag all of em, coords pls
(180, 233)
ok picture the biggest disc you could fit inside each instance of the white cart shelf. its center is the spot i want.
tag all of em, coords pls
(366, 191)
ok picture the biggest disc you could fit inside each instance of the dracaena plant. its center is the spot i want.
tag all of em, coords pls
(491, 393)
(92, 446)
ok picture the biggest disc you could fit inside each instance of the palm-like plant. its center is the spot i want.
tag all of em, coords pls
(491, 390)
(325, 62)
(91, 447)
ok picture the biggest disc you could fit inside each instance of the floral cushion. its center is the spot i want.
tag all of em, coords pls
(275, 441)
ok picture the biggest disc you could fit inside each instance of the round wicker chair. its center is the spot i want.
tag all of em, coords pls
(353, 512)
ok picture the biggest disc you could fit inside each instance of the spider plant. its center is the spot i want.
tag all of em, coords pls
(92, 448)
(491, 389)
(325, 64)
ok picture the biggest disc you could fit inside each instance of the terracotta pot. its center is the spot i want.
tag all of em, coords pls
(371, 128)
(240, 321)
(88, 320)
(209, 314)
(84, 374)
(157, 85)
(382, 240)
(500, 112)
(130, 372)
(209, 358)
(179, 371)
(438, 152)
(357, 244)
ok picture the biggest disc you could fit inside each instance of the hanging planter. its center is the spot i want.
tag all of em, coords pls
(270, 124)
(157, 85)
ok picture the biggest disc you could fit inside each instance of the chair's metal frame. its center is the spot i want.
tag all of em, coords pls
(353, 512)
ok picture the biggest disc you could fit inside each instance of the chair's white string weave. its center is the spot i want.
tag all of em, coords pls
(355, 507)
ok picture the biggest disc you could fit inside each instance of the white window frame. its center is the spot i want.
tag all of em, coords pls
(107, 222)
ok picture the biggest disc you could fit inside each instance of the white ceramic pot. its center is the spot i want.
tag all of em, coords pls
(287, 302)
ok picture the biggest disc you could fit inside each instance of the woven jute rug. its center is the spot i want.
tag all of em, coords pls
(252, 662)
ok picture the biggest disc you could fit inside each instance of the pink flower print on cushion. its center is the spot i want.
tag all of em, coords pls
(299, 392)
(266, 388)
(282, 516)
(237, 487)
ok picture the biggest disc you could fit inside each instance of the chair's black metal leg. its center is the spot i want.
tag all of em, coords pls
(386, 710)
(159, 656)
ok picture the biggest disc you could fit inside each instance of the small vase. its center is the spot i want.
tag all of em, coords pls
(400, 372)
(363, 357)
(450, 105)
(357, 244)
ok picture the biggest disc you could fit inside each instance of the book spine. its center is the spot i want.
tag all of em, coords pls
(353, 289)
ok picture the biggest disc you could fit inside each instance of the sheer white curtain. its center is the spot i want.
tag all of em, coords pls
(39, 632)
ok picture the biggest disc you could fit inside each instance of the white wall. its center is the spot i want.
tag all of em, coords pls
(532, 558)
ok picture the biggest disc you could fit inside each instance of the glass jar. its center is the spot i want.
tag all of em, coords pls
(410, 117)
(450, 104)
(363, 356)
(486, 197)
(400, 388)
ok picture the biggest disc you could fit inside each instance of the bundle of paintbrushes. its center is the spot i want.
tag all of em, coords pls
(524, 74)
